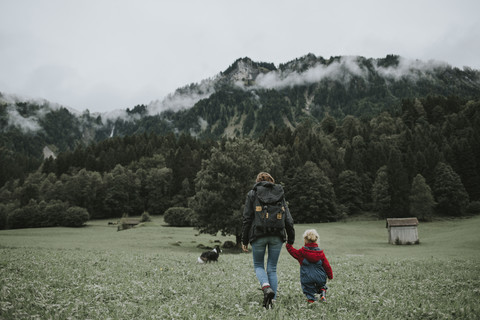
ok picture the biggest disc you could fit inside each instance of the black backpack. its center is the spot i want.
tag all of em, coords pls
(269, 209)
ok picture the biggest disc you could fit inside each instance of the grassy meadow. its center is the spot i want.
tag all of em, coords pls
(150, 272)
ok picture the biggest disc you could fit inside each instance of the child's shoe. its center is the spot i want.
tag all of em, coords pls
(323, 295)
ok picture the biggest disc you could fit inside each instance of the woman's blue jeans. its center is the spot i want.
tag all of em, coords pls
(274, 245)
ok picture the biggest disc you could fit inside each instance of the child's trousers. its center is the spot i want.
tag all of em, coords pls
(310, 289)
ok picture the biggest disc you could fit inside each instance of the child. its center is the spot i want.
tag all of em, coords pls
(314, 266)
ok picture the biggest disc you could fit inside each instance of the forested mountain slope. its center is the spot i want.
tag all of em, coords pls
(245, 100)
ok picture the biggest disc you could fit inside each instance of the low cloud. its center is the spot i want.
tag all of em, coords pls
(203, 123)
(29, 124)
(341, 70)
(344, 70)
(175, 102)
(408, 68)
(119, 114)
(183, 98)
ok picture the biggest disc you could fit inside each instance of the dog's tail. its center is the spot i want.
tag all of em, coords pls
(200, 260)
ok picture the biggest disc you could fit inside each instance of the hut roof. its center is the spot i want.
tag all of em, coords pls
(402, 222)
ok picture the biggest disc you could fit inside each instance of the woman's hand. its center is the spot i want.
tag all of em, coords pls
(245, 248)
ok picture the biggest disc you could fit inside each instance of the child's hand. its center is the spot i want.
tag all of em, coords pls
(245, 248)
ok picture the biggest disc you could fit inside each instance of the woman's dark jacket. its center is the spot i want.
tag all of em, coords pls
(249, 231)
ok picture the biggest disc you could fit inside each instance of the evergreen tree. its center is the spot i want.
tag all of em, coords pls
(421, 163)
(380, 192)
(358, 156)
(311, 196)
(249, 122)
(185, 166)
(328, 124)
(80, 189)
(421, 199)
(450, 194)
(351, 127)
(349, 191)
(158, 184)
(121, 193)
(398, 183)
(465, 165)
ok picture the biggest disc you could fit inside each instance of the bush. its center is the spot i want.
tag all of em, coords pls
(145, 217)
(178, 217)
(24, 217)
(54, 213)
(75, 217)
(473, 207)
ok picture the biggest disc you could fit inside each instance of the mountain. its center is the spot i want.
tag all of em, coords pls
(243, 100)
(250, 96)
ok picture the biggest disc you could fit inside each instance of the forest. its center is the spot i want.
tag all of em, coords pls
(420, 159)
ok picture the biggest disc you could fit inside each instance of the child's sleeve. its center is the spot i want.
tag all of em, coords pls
(297, 254)
(327, 268)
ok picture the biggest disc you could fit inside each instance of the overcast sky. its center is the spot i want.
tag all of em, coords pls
(103, 55)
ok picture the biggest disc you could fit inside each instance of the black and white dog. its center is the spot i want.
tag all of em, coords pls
(209, 256)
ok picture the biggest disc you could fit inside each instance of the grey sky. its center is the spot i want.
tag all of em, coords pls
(103, 55)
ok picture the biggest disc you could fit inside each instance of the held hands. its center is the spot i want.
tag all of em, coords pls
(245, 248)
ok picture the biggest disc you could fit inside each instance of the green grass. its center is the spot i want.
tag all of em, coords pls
(150, 272)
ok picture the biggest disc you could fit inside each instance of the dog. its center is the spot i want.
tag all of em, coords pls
(209, 256)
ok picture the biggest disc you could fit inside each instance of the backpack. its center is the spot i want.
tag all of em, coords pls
(269, 209)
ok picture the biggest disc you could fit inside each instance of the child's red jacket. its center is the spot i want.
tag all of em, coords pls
(313, 256)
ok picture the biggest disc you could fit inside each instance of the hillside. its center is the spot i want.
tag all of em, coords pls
(250, 96)
(242, 101)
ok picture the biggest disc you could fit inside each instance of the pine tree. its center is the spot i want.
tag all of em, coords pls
(466, 166)
(157, 184)
(421, 199)
(450, 194)
(311, 195)
(398, 182)
(328, 124)
(358, 157)
(380, 192)
(349, 191)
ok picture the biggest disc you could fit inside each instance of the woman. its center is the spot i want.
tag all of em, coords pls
(266, 234)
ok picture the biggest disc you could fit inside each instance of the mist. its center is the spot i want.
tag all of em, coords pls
(344, 70)
(184, 98)
(412, 69)
(29, 124)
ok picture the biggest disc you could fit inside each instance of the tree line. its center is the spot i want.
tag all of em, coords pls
(419, 161)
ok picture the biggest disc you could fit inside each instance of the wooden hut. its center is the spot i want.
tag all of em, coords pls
(402, 230)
